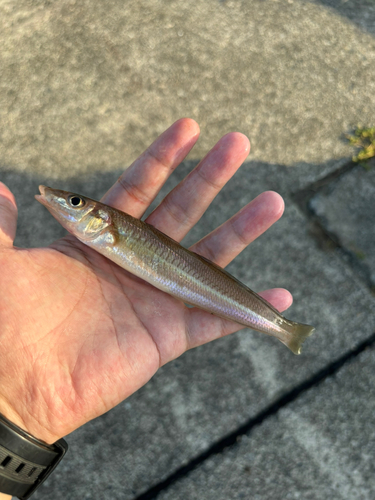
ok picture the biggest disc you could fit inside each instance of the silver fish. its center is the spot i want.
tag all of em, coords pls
(153, 256)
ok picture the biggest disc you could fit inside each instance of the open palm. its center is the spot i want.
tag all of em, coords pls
(78, 334)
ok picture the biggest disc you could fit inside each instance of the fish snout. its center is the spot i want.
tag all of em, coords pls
(43, 196)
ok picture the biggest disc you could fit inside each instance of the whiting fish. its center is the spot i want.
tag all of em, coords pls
(153, 256)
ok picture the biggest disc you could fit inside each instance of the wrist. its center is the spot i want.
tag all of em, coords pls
(29, 425)
(26, 462)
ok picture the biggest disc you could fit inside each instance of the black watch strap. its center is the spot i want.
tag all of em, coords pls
(25, 461)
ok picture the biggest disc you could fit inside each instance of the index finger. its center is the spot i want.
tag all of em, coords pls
(140, 183)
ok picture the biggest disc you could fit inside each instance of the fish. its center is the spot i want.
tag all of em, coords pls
(148, 253)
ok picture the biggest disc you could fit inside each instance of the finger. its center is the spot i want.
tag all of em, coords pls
(8, 216)
(187, 202)
(228, 240)
(203, 327)
(280, 298)
(140, 183)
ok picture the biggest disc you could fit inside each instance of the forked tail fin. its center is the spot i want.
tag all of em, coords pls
(298, 334)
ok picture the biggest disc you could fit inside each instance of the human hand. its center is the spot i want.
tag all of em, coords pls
(78, 334)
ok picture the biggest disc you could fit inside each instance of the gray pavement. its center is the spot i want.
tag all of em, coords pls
(347, 216)
(321, 448)
(84, 87)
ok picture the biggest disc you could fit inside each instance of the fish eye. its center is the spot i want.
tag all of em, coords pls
(76, 201)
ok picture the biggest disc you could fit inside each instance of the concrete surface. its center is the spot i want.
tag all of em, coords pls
(84, 87)
(320, 446)
(349, 218)
(87, 86)
(359, 12)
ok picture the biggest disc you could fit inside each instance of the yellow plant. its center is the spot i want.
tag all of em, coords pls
(363, 138)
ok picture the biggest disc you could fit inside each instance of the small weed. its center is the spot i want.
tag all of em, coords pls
(363, 138)
(360, 255)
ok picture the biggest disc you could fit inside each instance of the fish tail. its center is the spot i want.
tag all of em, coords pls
(298, 334)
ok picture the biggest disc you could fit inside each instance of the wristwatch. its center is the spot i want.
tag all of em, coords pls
(25, 461)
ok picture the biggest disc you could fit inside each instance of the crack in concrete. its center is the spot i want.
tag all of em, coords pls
(329, 240)
(233, 438)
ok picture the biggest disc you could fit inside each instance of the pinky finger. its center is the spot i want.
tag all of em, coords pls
(8, 216)
(203, 327)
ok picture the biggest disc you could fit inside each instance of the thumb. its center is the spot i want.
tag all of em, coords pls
(8, 216)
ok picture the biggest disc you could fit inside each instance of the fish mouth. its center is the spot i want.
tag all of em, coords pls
(42, 189)
(42, 196)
